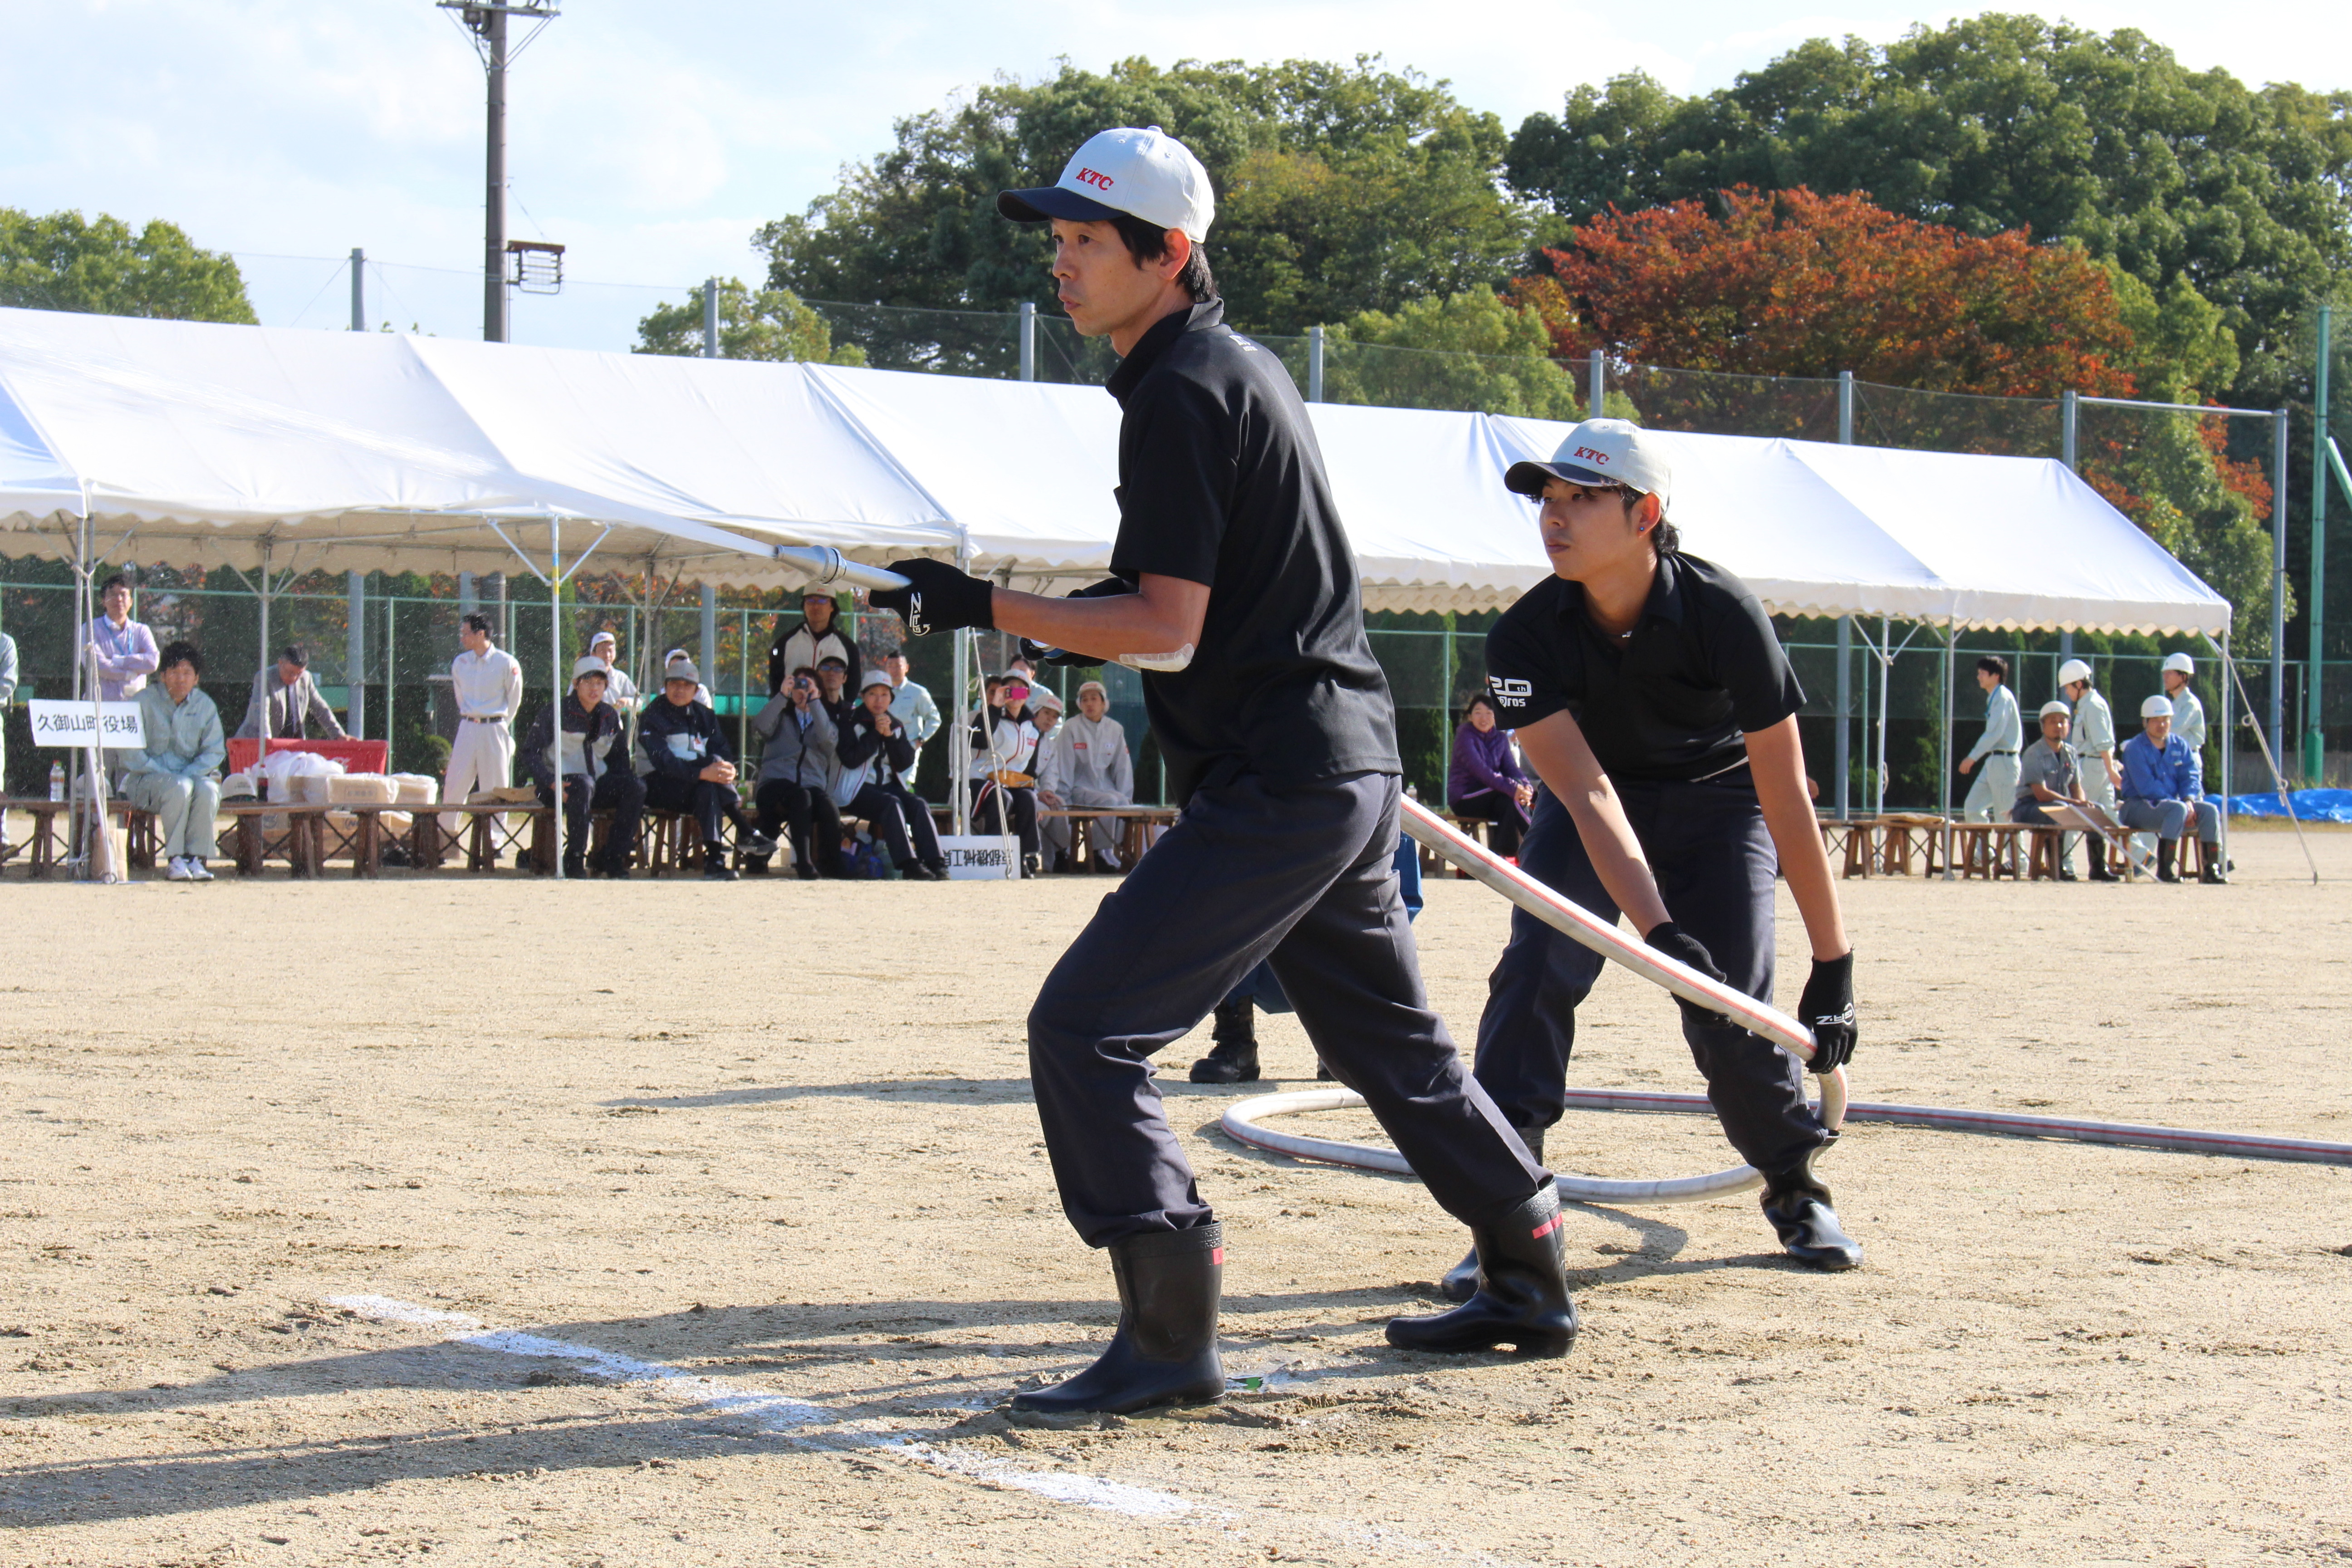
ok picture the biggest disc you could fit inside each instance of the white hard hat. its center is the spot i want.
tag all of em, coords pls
(2058, 708)
(2157, 708)
(2072, 670)
(2181, 662)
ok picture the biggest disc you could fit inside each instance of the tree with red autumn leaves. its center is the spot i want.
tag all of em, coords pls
(1790, 283)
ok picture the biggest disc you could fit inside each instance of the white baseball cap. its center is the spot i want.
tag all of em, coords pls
(2072, 670)
(1599, 452)
(1144, 173)
(2058, 708)
(1043, 697)
(2157, 708)
(601, 637)
(681, 669)
(591, 665)
(874, 678)
(2181, 662)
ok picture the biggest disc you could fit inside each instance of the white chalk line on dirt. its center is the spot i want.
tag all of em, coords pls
(783, 1416)
(775, 1414)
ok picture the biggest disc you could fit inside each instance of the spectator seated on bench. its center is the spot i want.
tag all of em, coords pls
(2049, 773)
(1085, 762)
(177, 776)
(2163, 788)
(593, 761)
(797, 741)
(693, 770)
(1487, 781)
(874, 755)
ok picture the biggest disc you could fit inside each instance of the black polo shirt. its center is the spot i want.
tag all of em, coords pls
(1221, 483)
(1672, 701)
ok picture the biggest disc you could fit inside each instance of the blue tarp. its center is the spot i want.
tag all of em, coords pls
(2310, 806)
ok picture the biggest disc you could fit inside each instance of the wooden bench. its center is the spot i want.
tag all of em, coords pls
(1888, 845)
(1990, 850)
(1433, 863)
(248, 843)
(41, 850)
(1135, 825)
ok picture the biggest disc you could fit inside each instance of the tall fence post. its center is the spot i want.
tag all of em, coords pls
(710, 318)
(355, 657)
(2314, 739)
(1314, 364)
(358, 290)
(2069, 414)
(709, 660)
(1845, 409)
(1844, 711)
(2278, 575)
(1596, 386)
(1028, 339)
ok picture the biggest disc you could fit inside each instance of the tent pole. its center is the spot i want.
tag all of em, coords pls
(555, 674)
(960, 736)
(1886, 680)
(1844, 706)
(1944, 746)
(2229, 742)
(2278, 574)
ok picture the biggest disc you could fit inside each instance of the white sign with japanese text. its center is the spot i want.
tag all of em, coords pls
(980, 859)
(64, 722)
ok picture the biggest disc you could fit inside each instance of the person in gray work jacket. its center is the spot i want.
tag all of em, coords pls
(594, 765)
(2188, 710)
(797, 768)
(1234, 590)
(1996, 747)
(2049, 774)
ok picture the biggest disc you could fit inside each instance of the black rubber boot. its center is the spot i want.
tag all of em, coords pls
(2099, 871)
(1522, 1297)
(1798, 1205)
(2213, 876)
(2166, 850)
(1165, 1352)
(1461, 1281)
(1233, 1057)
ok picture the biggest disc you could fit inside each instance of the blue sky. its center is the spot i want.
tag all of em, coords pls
(651, 140)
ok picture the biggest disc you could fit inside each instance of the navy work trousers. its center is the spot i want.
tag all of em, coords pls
(1714, 862)
(1301, 877)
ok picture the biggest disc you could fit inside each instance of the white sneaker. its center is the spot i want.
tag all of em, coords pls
(197, 870)
(178, 869)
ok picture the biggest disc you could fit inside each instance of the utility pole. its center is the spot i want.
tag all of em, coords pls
(710, 318)
(358, 290)
(486, 20)
(2314, 739)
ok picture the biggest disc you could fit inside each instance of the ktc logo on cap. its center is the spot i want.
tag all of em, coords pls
(1595, 457)
(1097, 178)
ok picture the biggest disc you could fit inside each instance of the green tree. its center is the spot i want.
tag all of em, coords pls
(1470, 351)
(1994, 123)
(63, 262)
(771, 324)
(1340, 189)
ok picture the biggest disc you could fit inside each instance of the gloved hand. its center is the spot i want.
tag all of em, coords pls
(1038, 653)
(1675, 942)
(938, 598)
(1827, 1009)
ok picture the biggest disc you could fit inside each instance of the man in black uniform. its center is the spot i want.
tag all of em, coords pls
(1649, 691)
(1237, 595)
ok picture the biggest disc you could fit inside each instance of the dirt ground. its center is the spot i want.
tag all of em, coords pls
(489, 1221)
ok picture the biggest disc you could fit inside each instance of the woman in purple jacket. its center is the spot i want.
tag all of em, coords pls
(1486, 779)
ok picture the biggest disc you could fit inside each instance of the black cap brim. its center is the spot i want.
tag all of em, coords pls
(1050, 202)
(1528, 478)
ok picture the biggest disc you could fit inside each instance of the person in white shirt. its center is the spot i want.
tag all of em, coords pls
(1004, 763)
(1086, 762)
(486, 683)
(619, 689)
(1995, 790)
(911, 703)
(2188, 711)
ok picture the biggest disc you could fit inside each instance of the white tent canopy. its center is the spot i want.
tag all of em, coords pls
(365, 450)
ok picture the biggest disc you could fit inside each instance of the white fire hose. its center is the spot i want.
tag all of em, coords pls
(1244, 1123)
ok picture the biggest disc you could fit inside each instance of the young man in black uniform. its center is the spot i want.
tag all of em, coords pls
(1237, 595)
(1649, 691)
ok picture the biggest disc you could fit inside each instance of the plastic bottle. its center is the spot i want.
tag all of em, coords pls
(57, 780)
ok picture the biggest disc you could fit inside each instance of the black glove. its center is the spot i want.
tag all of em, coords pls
(938, 598)
(1038, 653)
(1675, 942)
(1827, 1009)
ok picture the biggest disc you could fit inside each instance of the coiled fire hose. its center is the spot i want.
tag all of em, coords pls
(1244, 1122)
